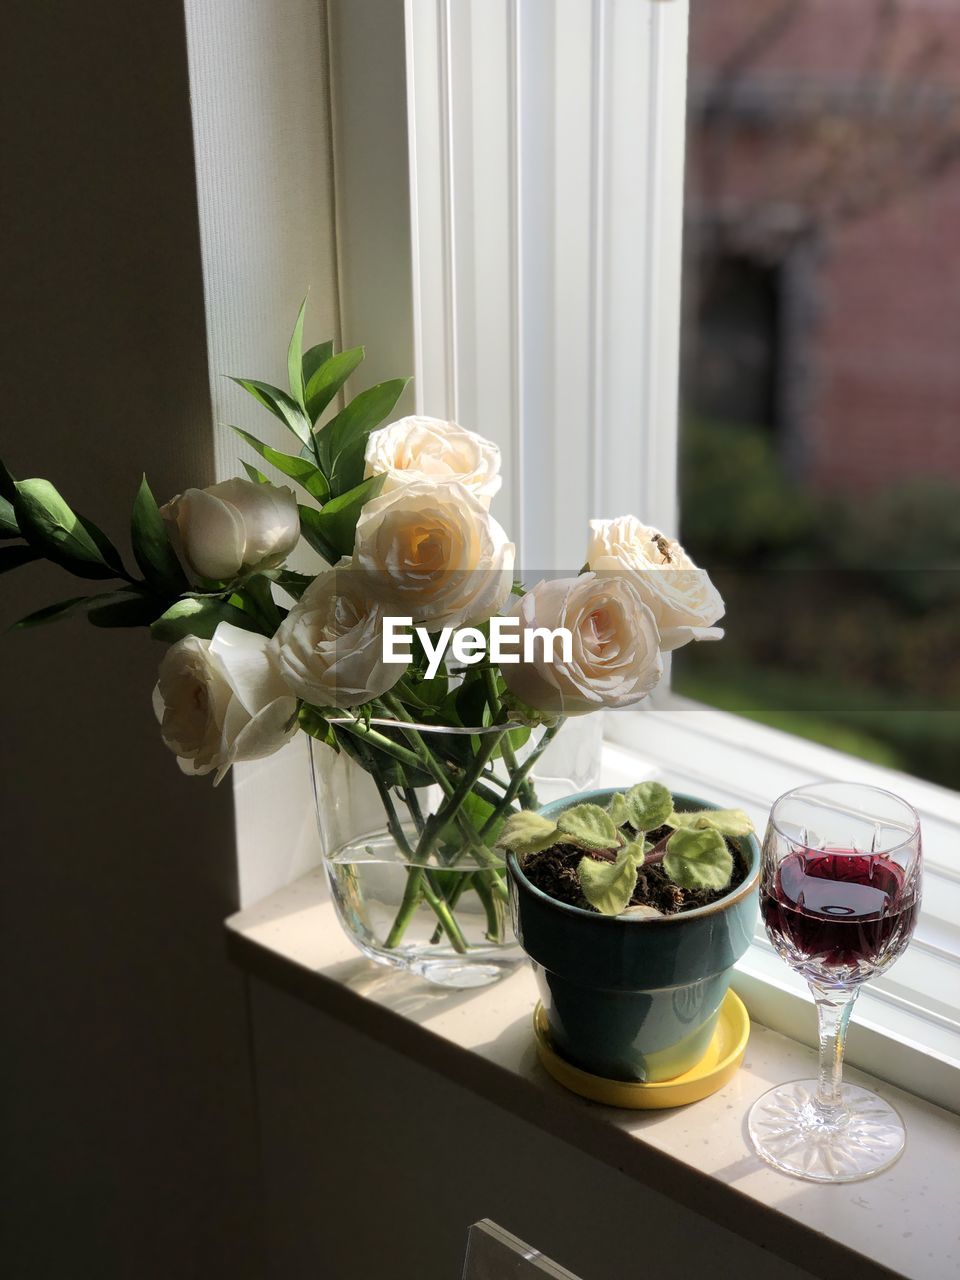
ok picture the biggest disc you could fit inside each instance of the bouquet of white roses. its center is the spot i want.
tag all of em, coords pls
(400, 515)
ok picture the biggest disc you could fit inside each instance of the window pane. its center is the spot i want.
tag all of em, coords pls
(820, 390)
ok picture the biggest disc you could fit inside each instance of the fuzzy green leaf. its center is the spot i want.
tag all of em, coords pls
(698, 859)
(295, 357)
(280, 405)
(8, 520)
(151, 544)
(342, 442)
(589, 826)
(59, 533)
(649, 805)
(51, 612)
(609, 886)
(327, 380)
(194, 616)
(528, 832)
(618, 809)
(729, 822)
(303, 470)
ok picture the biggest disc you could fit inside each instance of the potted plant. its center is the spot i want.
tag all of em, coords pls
(634, 909)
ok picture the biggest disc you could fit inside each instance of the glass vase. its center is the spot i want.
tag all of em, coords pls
(413, 887)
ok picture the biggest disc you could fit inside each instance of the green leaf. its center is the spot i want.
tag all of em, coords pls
(729, 822)
(327, 380)
(316, 724)
(151, 544)
(294, 584)
(589, 826)
(8, 520)
(476, 811)
(314, 358)
(337, 522)
(280, 405)
(51, 612)
(649, 804)
(257, 600)
(313, 533)
(193, 616)
(256, 476)
(127, 608)
(528, 832)
(698, 859)
(423, 695)
(106, 548)
(49, 524)
(343, 440)
(609, 886)
(295, 357)
(14, 557)
(618, 809)
(8, 486)
(303, 470)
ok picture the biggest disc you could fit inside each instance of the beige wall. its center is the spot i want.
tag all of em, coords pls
(127, 1110)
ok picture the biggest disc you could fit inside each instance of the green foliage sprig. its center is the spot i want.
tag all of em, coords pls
(694, 853)
(38, 523)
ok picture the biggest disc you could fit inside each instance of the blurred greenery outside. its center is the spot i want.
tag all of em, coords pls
(845, 627)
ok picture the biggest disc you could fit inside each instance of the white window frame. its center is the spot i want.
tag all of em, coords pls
(530, 133)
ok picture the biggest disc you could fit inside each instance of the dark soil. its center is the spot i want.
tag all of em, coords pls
(555, 872)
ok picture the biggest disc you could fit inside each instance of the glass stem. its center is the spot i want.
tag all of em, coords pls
(833, 1013)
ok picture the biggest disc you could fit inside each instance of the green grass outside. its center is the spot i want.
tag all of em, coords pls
(885, 729)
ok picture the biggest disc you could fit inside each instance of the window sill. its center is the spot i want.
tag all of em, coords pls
(906, 1027)
(900, 1223)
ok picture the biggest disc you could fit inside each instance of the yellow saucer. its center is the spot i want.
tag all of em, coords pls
(711, 1073)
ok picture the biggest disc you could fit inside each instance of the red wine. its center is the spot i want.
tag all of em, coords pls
(838, 915)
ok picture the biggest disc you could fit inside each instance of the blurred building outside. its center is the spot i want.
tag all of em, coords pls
(821, 368)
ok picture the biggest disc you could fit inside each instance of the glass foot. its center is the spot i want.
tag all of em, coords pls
(788, 1132)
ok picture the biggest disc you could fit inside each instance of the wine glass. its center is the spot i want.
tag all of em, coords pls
(839, 894)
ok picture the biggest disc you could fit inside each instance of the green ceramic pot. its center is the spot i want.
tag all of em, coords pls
(633, 999)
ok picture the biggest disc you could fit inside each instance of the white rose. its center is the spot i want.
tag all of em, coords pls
(222, 700)
(234, 525)
(433, 553)
(331, 642)
(418, 448)
(684, 601)
(615, 651)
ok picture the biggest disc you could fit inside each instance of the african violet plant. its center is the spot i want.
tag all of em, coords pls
(615, 844)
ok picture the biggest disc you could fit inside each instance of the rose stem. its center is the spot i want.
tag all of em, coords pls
(418, 884)
(469, 776)
(528, 797)
(517, 780)
(657, 852)
(417, 880)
